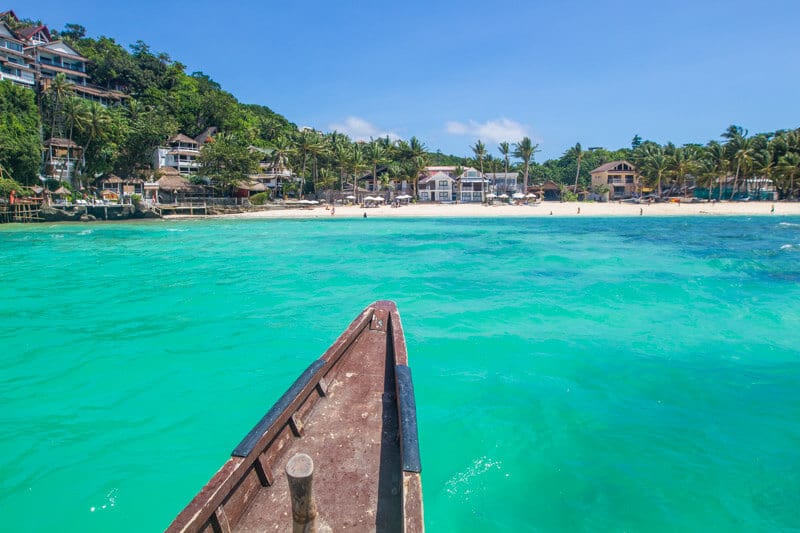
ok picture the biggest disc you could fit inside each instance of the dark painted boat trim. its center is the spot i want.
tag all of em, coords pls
(409, 444)
(249, 442)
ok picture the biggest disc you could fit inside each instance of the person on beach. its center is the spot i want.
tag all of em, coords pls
(365, 214)
(641, 211)
(773, 209)
(333, 211)
(579, 210)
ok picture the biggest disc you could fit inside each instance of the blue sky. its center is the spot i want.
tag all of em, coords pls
(453, 72)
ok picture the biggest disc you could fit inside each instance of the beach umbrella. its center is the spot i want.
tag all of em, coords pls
(491, 195)
(503, 196)
(404, 197)
(518, 195)
(530, 195)
(379, 199)
(350, 197)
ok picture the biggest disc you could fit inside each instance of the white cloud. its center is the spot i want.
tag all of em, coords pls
(359, 129)
(491, 130)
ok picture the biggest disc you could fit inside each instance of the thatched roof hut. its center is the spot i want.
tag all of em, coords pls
(112, 179)
(174, 182)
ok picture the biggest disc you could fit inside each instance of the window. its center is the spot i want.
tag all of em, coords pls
(629, 178)
(424, 195)
(614, 178)
(443, 184)
(12, 46)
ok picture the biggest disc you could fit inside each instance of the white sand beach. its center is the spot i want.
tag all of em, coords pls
(556, 209)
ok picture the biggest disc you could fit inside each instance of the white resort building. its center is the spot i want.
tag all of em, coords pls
(29, 57)
(180, 153)
(15, 65)
(440, 184)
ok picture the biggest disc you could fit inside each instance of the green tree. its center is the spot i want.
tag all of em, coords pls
(228, 160)
(479, 149)
(787, 170)
(340, 150)
(505, 150)
(525, 150)
(458, 171)
(58, 91)
(576, 153)
(20, 123)
(376, 154)
(94, 125)
(654, 165)
(357, 164)
(682, 162)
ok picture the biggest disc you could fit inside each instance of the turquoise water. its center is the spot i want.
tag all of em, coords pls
(571, 374)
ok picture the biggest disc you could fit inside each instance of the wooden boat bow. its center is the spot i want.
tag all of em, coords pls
(353, 412)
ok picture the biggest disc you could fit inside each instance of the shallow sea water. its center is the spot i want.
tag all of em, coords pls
(575, 374)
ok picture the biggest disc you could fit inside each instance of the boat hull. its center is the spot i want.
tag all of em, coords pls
(353, 412)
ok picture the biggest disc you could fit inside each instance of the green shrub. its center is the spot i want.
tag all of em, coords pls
(7, 185)
(259, 198)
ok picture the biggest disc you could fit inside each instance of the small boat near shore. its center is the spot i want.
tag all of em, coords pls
(337, 452)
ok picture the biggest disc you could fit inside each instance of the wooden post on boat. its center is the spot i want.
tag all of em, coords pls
(299, 472)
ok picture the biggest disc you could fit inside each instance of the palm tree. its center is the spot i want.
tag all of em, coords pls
(357, 165)
(457, 176)
(743, 155)
(58, 90)
(395, 172)
(504, 151)
(316, 148)
(480, 153)
(682, 162)
(525, 150)
(789, 168)
(75, 113)
(414, 168)
(303, 148)
(415, 158)
(95, 126)
(655, 165)
(740, 150)
(341, 153)
(764, 165)
(715, 152)
(375, 154)
(281, 151)
(576, 152)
